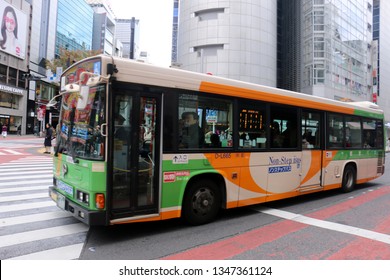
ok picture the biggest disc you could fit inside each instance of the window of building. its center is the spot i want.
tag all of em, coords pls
(3, 74)
(209, 14)
(9, 100)
(12, 76)
(22, 79)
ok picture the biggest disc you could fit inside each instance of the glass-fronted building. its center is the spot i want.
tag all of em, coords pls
(74, 25)
(332, 57)
(381, 24)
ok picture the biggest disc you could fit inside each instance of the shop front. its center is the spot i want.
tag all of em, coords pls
(12, 104)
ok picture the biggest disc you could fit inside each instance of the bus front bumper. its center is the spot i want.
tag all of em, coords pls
(91, 218)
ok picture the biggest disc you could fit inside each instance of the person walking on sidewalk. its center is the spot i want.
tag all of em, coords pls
(4, 130)
(48, 136)
(19, 130)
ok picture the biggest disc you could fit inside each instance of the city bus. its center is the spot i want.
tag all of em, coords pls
(138, 142)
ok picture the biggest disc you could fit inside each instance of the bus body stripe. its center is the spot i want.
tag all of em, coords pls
(271, 97)
(315, 166)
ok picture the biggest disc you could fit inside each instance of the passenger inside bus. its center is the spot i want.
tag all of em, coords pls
(290, 135)
(308, 140)
(120, 131)
(214, 139)
(192, 135)
(276, 138)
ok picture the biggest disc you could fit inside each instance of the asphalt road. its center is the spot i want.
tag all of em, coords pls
(328, 225)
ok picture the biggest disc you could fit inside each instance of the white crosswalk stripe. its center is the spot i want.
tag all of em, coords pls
(31, 225)
(11, 152)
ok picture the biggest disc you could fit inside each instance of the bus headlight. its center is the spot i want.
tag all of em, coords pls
(82, 197)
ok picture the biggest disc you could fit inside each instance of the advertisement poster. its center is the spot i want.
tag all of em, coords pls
(13, 30)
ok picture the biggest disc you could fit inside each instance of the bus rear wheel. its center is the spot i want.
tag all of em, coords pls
(349, 179)
(201, 202)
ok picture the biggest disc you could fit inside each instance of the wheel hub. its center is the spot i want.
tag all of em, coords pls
(202, 201)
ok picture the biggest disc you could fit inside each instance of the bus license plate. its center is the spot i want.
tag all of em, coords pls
(61, 201)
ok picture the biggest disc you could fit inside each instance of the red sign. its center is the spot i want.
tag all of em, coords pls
(374, 98)
(41, 112)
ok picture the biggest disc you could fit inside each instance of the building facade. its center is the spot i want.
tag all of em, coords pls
(74, 25)
(42, 48)
(381, 61)
(175, 30)
(336, 49)
(103, 27)
(234, 38)
(127, 32)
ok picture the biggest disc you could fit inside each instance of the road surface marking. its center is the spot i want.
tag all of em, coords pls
(12, 152)
(12, 221)
(23, 183)
(22, 189)
(24, 172)
(71, 252)
(385, 238)
(23, 197)
(26, 206)
(40, 234)
(2, 178)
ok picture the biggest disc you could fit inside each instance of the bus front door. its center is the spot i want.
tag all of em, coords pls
(135, 154)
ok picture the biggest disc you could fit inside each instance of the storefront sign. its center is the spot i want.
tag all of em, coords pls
(12, 89)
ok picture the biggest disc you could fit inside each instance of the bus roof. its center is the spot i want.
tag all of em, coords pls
(144, 73)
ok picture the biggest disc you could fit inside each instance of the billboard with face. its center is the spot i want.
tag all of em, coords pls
(13, 30)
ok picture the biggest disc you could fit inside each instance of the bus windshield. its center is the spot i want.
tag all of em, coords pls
(82, 115)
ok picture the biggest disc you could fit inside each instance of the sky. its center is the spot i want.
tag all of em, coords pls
(155, 26)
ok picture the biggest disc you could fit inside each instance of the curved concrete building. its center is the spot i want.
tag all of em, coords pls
(234, 38)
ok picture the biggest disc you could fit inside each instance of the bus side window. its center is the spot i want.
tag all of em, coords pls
(252, 126)
(335, 131)
(286, 118)
(204, 122)
(311, 124)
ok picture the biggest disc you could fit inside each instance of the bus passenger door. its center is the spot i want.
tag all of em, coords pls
(312, 128)
(135, 153)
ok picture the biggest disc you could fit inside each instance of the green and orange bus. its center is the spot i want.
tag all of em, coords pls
(137, 142)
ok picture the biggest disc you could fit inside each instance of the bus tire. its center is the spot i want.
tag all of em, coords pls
(201, 202)
(349, 179)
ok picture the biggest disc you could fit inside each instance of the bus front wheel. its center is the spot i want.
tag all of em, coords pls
(349, 179)
(201, 202)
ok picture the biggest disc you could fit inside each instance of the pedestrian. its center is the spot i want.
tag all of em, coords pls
(4, 130)
(48, 138)
(19, 131)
